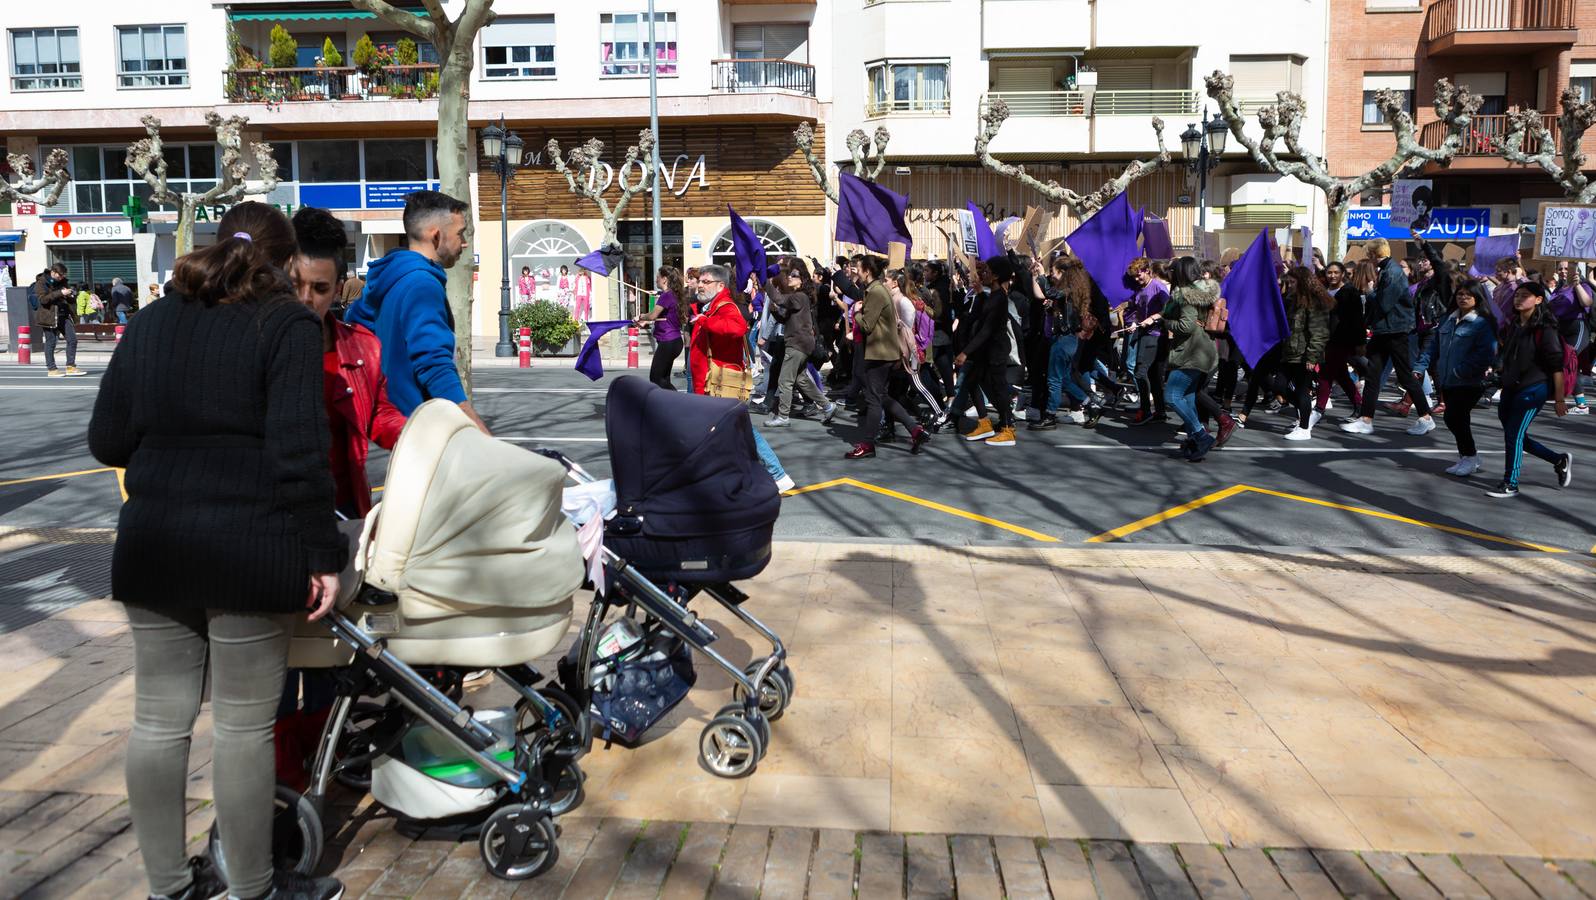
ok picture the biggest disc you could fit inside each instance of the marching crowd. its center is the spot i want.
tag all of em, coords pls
(1014, 340)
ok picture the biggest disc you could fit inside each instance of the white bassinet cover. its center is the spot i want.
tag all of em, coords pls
(469, 521)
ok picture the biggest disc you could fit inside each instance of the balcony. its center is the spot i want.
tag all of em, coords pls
(1478, 150)
(1062, 122)
(1026, 104)
(760, 76)
(1462, 27)
(278, 86)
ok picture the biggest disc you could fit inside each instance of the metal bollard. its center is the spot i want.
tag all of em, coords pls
(526, 348)
(24, 345)
(631, 348)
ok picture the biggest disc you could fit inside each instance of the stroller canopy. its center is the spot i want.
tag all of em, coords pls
(686, 463)
(470, 521)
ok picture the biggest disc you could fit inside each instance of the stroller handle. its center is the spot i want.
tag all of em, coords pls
(577, 473)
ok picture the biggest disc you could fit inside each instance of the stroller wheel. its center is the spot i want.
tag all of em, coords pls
(296, 835)
(730, 746)
(758, 720)
(774, 693)
(518, 842)
(568, 790)
(529, 719)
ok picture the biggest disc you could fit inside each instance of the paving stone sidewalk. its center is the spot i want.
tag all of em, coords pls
(970, 721)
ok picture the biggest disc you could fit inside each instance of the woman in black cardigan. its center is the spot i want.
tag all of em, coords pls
(213, 403)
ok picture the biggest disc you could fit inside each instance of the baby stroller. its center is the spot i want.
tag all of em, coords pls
(467, 563)
(694, 512)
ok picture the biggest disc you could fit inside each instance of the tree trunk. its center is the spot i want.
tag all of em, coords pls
(1337, 249)
(454, 178)
(185, 227)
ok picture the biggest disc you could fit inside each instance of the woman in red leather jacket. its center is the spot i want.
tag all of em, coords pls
(359, 414)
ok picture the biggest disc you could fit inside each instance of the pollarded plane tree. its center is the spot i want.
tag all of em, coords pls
(1529, 142)
(1282, 122)
(869, 155)
(43, 188)
(587, 176)
(145, 157)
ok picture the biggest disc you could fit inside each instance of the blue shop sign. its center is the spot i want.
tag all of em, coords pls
(1366, 223)
(391, 194)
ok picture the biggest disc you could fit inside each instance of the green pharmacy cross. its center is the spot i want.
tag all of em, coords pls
(134, 210)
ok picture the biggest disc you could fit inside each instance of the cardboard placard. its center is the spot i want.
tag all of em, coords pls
(971, 245)
(1052, 246)
(1411, 201)
(1565, 231)
(1456, 253)
(897, 255)
(1354, 254)
(1031, 230)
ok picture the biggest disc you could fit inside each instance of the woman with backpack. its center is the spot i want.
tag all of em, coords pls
(1531, 368)
(915, 330)
(1467, 348)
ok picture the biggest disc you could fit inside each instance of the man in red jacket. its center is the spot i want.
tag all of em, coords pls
(719, 331)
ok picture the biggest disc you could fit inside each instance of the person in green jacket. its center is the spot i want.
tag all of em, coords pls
(883, 350)
(1192, 353)
(1308, 304)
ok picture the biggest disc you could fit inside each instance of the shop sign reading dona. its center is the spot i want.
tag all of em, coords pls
(1365, 224)
(73, 230)
(601, 176)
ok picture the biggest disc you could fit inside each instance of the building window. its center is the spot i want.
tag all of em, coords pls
(1401, 82)
(396, 161)
(915, 86)
(788, 42)
(774, 238)
(102, 182)
(152, 56)
(1492, 88)
(45, 59)
(1259, 79)
(623, 43)
(329, 162)
(519, 48)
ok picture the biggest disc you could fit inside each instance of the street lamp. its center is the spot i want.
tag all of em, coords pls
(1203, 147)
(503, 149)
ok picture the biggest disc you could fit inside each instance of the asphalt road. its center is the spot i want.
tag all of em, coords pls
(1070, 484)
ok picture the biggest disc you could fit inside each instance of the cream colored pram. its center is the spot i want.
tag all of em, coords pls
(466, 564)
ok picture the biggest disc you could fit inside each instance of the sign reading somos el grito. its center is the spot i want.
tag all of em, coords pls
(1567, 231)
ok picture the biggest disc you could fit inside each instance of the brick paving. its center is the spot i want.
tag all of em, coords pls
(986, 722)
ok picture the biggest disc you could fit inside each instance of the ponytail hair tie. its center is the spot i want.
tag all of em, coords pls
(243, 235)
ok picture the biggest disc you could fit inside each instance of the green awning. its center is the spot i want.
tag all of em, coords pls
(307, 15)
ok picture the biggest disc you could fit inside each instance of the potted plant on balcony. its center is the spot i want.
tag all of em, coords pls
(554, 332)
(369, 60)
(283, 51)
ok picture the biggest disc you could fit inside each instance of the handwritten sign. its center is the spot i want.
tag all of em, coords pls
(1567, 231)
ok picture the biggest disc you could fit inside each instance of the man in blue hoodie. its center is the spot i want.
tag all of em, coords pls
(405, 305)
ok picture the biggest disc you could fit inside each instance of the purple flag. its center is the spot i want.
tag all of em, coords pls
(1002, 228)
(1487, 250)
(1252, 295)
(986, 244)
(870, 215)
(1156, 243)
(600, 262)
(1106, 244)
(749, 251)
(588, 362)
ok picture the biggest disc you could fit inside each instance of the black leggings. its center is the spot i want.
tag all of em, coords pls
(879, 402)
(1261, 379)
(1393, 347)
(1460, 403)
(1151, 355)
(995, 382)
(665, 354)
(1303, 383)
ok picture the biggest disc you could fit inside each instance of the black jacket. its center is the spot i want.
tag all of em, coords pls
(218, 416)
(1529, 356)
(1000, 315)
(1348, 329)
(1390, 309)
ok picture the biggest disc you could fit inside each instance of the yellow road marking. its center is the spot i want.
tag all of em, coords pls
(1200, 502)
(54, 477)
(1392, 517)
(121, 483)
(1166, 515)
(928, 504)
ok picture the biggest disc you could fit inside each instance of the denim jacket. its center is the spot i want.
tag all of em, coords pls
(1468, 348)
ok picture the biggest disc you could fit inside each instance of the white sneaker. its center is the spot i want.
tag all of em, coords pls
(1329, 404)
(1579, 409)
(969, 413)
(1074, 416)
(785, 483)
(1496, 397)
(1315, 416)
(1465, 467)
(1299, 433)
(1358, 426)
(1422, 426)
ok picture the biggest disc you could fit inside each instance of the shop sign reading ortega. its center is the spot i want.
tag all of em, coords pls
(70, 231)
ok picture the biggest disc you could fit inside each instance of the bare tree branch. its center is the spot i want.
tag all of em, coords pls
(1577, 118)
(424, 28)
(1079, 205)
(28, 189)
(581, 168)
(145, 156)
(804, 136)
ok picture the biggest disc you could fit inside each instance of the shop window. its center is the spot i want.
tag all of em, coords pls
(396, 160)
(1373, 83)
(324, 162)
(521, 47)
(45, 59)
(908, 86)
(623, 44)
(152, 56)
(776, 240)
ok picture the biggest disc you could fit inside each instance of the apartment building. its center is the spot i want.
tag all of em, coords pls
(356, 136)
(1082, 80)
(1517, 54)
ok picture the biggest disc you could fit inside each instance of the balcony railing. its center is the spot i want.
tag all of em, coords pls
(1104, 103)
(417, 82)
(752, 76)
(1483, 133)
(1446, 17)
(928, 107)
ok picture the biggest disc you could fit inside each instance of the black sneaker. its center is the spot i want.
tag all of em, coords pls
(1503, 491)
(1046, 423)
(1565, 470)
(207, 883)
(1094, 414)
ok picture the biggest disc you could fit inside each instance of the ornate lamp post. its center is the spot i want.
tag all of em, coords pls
(503, 148)
(1203, 147)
